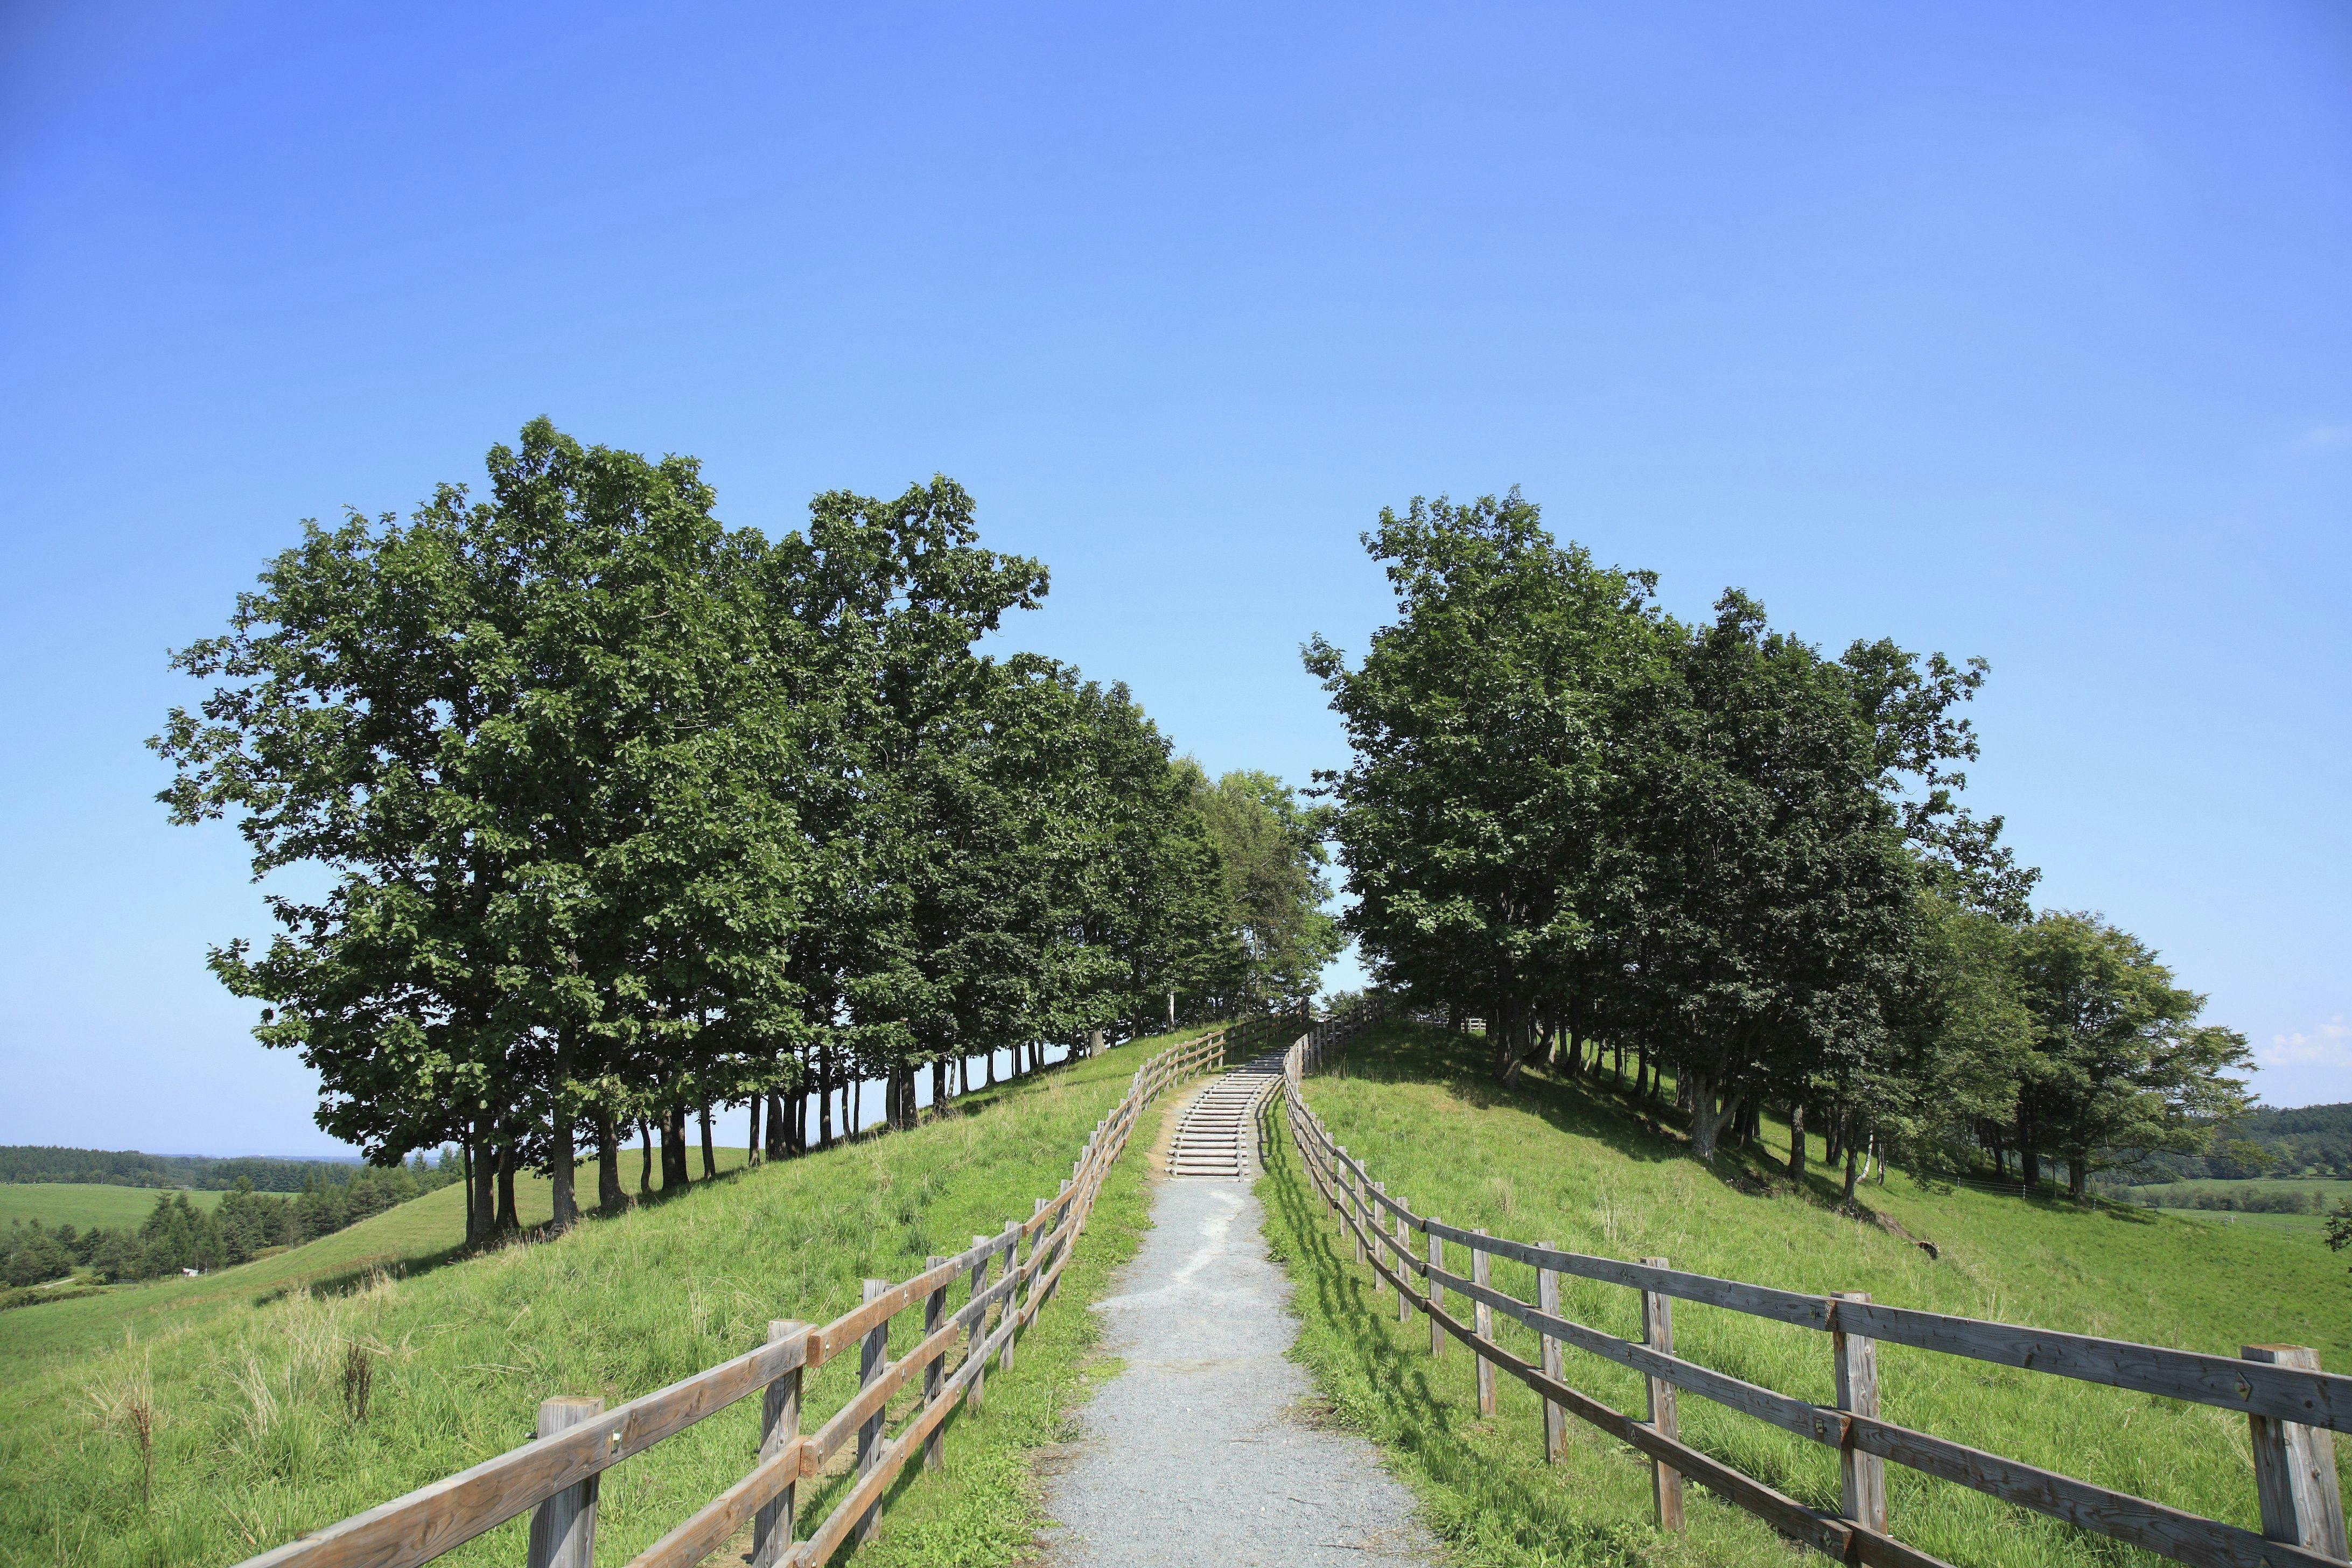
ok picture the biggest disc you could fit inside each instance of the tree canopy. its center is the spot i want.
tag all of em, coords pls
(624, 813)
(1593, 825)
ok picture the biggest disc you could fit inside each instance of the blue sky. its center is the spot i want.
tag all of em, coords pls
(2014, 330)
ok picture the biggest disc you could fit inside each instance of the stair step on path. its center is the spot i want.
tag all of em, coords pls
(1217, 1137)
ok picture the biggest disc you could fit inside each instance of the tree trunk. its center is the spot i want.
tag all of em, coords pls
(486, 1160)
(938, 1086)
(645, 1169)
(1703, 1116)
(710, 1155)
(825, 1098)
(507, 1220)
(609, 1196)
(473, 1231)
(673, 1150)
(758, 1103)
(780, 1132)
(1796, 1140)
(1850, 1162)
(567, 1211)
(2078, 1174)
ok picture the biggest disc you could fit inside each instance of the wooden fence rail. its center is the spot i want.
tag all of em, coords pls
(2293, 1408)
(579, 1440)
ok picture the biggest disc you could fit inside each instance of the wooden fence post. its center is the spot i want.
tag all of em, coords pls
(1356, 1209)
(1665, 1481)
(563, 1528)
(1482, 1318)
(779, 1424)
(2295, 1468)
(935, 1315)
(873, 1352)
(1405, 1250)
(1373, 1214)
(1436, 1292)
(1555, 1417)
(979, 1333)
(1862, 1477)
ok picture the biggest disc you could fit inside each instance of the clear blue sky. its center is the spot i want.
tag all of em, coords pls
(2015, 331)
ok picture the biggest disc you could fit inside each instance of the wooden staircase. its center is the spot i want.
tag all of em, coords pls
(1215, 1139)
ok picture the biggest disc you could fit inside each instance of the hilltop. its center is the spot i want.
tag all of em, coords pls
(1568, 1161)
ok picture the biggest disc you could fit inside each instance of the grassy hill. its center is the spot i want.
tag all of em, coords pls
(255, 1440)
(1563, 1162)
(83, 1204)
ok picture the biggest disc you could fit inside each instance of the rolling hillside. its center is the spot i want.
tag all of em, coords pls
(256, 1436)
(1564, 1163)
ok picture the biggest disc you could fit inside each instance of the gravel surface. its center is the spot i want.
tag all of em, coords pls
(1200, 1451)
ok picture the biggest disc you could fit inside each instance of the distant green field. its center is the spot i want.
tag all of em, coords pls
(2326, 1188)
(84, 1204)
(2303, 1223)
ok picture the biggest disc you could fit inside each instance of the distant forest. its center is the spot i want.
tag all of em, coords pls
(128, 1168)
(2312, 1141)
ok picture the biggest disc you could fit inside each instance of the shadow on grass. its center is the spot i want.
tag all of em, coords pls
(1609, 1111)
(1394, 1399)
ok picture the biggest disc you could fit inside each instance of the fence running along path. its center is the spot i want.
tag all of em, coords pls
(2293, 1408)
(579, 1439)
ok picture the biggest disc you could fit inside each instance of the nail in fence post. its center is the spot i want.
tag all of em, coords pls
(779, 1424)
(1555, 1417)
(977, 1335)
(1483, 1319)
(935, 1316)
(1436, 1292)
(563, 1528)
(1665, 1481)
(2295, 1468)
(1373, 1214)
(1862, 1477)
(872, 1362)
(1404, 1246)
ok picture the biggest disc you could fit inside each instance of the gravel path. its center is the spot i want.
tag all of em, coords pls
(1197, 1452)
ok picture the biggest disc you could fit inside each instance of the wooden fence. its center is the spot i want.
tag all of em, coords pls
(556, 1476)
(2292, 1408)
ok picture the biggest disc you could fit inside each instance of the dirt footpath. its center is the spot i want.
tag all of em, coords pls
(1197, 1454)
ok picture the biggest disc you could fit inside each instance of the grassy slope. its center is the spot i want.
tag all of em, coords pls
(85, 1204)
(1560, 1161)
(254, 1442)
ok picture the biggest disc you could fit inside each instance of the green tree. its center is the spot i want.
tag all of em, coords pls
(1481, 722)
(2119, 1066)
(1273, 854)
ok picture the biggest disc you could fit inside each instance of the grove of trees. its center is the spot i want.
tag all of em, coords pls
(609, 814)
(1606, 831)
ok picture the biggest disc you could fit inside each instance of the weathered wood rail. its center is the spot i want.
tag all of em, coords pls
(556, 1476)
(2293, 1408)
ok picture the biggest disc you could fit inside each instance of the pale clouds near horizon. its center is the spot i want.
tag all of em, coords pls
(2306, 1067)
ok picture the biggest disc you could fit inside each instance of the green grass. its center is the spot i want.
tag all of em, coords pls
(2329, 1189)
(1561, 1162)
(85, 1204)
(254, 1442)
(2311, 1224)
